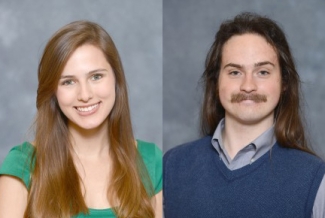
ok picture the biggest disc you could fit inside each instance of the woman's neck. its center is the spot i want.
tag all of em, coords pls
(90, 143)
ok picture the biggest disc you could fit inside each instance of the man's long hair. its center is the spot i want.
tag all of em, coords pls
(55, 184)
(289, 129)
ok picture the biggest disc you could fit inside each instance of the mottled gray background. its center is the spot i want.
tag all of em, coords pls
(189, 28)
(136, 27)
(26, 26)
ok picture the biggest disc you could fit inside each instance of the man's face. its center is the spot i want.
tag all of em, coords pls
(249, 80)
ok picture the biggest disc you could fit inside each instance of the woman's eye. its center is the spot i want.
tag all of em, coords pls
(96, 76)
(68, 82)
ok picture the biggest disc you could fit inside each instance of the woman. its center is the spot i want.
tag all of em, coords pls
(84, 161)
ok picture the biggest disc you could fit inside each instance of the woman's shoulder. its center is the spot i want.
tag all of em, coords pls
(148, 148)
(24, 148)
(18, 162)
(152, 158)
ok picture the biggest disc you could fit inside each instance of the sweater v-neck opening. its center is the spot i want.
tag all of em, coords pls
(245, 170)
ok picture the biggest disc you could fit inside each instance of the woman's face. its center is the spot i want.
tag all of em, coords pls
(86, 89)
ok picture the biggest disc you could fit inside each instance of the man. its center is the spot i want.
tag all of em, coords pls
(254, 160)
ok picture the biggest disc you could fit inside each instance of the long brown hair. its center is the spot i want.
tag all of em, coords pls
(55, 184)
(289, 130)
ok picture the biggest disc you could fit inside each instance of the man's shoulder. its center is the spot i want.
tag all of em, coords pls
(297, 155)
(189, 149)
(297, 161)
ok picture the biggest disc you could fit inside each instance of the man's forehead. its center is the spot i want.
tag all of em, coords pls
(248, 49)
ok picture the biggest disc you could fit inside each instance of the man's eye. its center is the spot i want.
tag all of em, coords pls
(264, 73)
(234, 73)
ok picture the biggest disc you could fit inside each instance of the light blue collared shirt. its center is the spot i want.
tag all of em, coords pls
(249, 153)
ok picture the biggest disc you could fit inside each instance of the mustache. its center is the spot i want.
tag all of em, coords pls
(236, 98)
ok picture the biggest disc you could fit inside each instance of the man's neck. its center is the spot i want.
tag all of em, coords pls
(237, 135)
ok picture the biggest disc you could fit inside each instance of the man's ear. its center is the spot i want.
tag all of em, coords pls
(284, 87)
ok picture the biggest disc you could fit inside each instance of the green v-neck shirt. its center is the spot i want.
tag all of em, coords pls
(17, 164)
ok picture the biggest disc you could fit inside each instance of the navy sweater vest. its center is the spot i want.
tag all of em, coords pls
(282, 183)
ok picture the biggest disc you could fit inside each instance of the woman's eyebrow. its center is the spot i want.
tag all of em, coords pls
(66, 77)
(97, 70)
(90, 72)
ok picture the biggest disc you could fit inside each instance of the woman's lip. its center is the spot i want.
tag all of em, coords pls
(87, 110)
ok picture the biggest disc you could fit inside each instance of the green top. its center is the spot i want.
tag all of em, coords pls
(17, 164)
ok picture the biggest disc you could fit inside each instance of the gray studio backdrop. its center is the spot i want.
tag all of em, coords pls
(25, 27)
(189, 28)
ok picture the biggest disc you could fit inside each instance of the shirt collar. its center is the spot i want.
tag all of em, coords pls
(262, 143)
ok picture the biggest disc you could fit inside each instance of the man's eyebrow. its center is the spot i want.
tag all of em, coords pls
(233, 65)
(90, 72)
(259, 64)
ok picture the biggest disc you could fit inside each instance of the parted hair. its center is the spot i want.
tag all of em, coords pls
(55, 189)
(289, 126)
